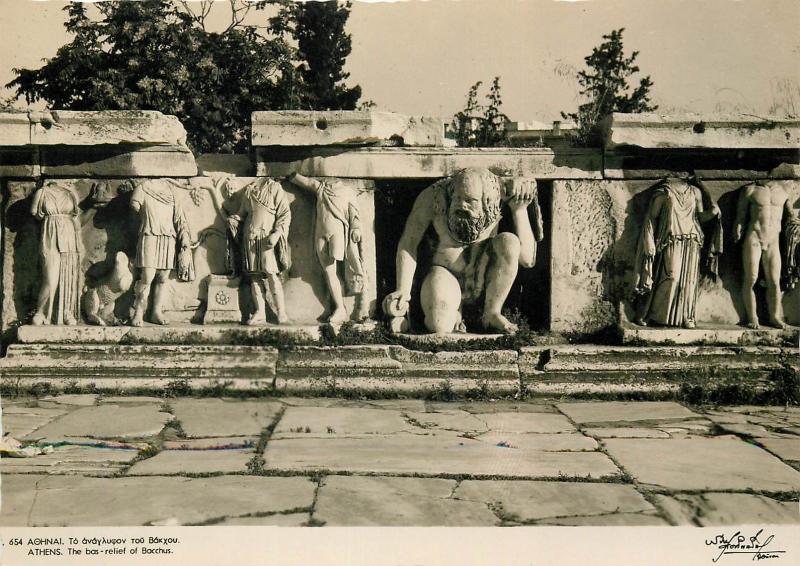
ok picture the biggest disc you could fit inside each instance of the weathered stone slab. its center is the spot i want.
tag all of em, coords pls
(71, 459)
(20, 421)
(784, 448)
(117, 161)
(85, 400)
(224, 164)
(723, 131)
(527, 422)
(170, 462)
(534, 500)
(316, 128)
(396, 502)
(15, 128)
(719, 509)
(454, 420)
(105, 421)
(222, 417)
(631, 411)
(439, 454)
(560, 442)
(624, 432)
(428, 163)
(19, 162)
(613, 520)
(18, 496)
(68, 127)
(224, 442)
(345, 361)
(487, 364)
(333, 422)
(702, 463)
(276, 520)
(69, 501)
(134, 363)
(132, 399)
(714, 335)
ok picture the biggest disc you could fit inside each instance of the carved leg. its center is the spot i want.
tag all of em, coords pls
(47, 293)
(772, 273)
(441, 301)
(276, 291)
(751, 257)
(259, 317)
(502, 273)
(162, 281)
(141, 293)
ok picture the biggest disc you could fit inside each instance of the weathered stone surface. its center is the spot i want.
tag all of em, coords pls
(133, 400)
(71, 459)
(702, 463)
(312, 422)
(534, 500)
(624, 432)
(60, 127)
(224, 164)
(223, 417)
(276, 520)
(718, 509)
(123, 160)
(133, 363)
(487, 364)
(105, 421)
(344, 361)
(527, 422)
(20, 421)
(19, 162)
(613, 520)
(615, 411)
(18, 496)
(727, 335)
(455, 420)
(211, 443)
(784, 448)
(560, 442)
(440, 454)
(169, 462)
(412, 405)
(315, 128)
(396, 502)
(428, 163)
(86, 400)
(15, 128)
(731, 131)
(67, 501)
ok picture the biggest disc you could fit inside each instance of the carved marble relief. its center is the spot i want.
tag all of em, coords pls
(668, 254)
(472, 263)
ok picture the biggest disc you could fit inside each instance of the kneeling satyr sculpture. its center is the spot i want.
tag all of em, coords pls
(471, 260)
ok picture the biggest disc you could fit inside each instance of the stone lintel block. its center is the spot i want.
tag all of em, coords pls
(122, 160)
(734, 164)
(15, 128)
(738, 336)
(428, 163)
(346, 361)
(721, 131)
(225, 164)
(20, 162)
(482, 364)
(141, 127)
(315, 128)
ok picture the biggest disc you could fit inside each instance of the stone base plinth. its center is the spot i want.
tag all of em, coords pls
(709, 334)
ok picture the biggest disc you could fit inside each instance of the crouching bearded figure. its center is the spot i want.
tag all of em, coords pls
(471, 260)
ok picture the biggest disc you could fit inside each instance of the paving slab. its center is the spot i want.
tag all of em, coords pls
(614, 520)
(396, 502)
(527, 422)
(132, 399)
(556, 442)
(702, 463)
(18, 495)
(169, 462)
(76, 501)
(455, 420)
(221, 417)
(277, 520)
(414, 405)
(211, 443)
(784, 448)
(717, 509)
(83, 400)
(21, 421)
(625, 432)
(328, 422)
(500, 406)
(408, 454)
(105, 421)
(629, 411)
(535, 500)
(71, 459)
(748, 429)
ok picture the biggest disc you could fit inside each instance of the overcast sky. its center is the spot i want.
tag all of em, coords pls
(420, 57)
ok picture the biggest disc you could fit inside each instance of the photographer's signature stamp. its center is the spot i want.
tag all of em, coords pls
(759, 546)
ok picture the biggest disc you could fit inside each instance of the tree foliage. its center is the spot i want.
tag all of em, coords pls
(318, 28)
(481, 125)
(606, 89)
(158, 55)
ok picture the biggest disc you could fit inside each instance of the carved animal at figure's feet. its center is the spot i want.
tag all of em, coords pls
(496, 321)
(98, 302)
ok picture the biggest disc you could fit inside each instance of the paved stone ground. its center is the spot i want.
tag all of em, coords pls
(321, 461)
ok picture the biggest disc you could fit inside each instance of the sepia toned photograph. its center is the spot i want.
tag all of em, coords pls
(488, 263)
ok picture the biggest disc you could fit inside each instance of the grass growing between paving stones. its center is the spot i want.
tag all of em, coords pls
(258, 514)
(255, 466)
